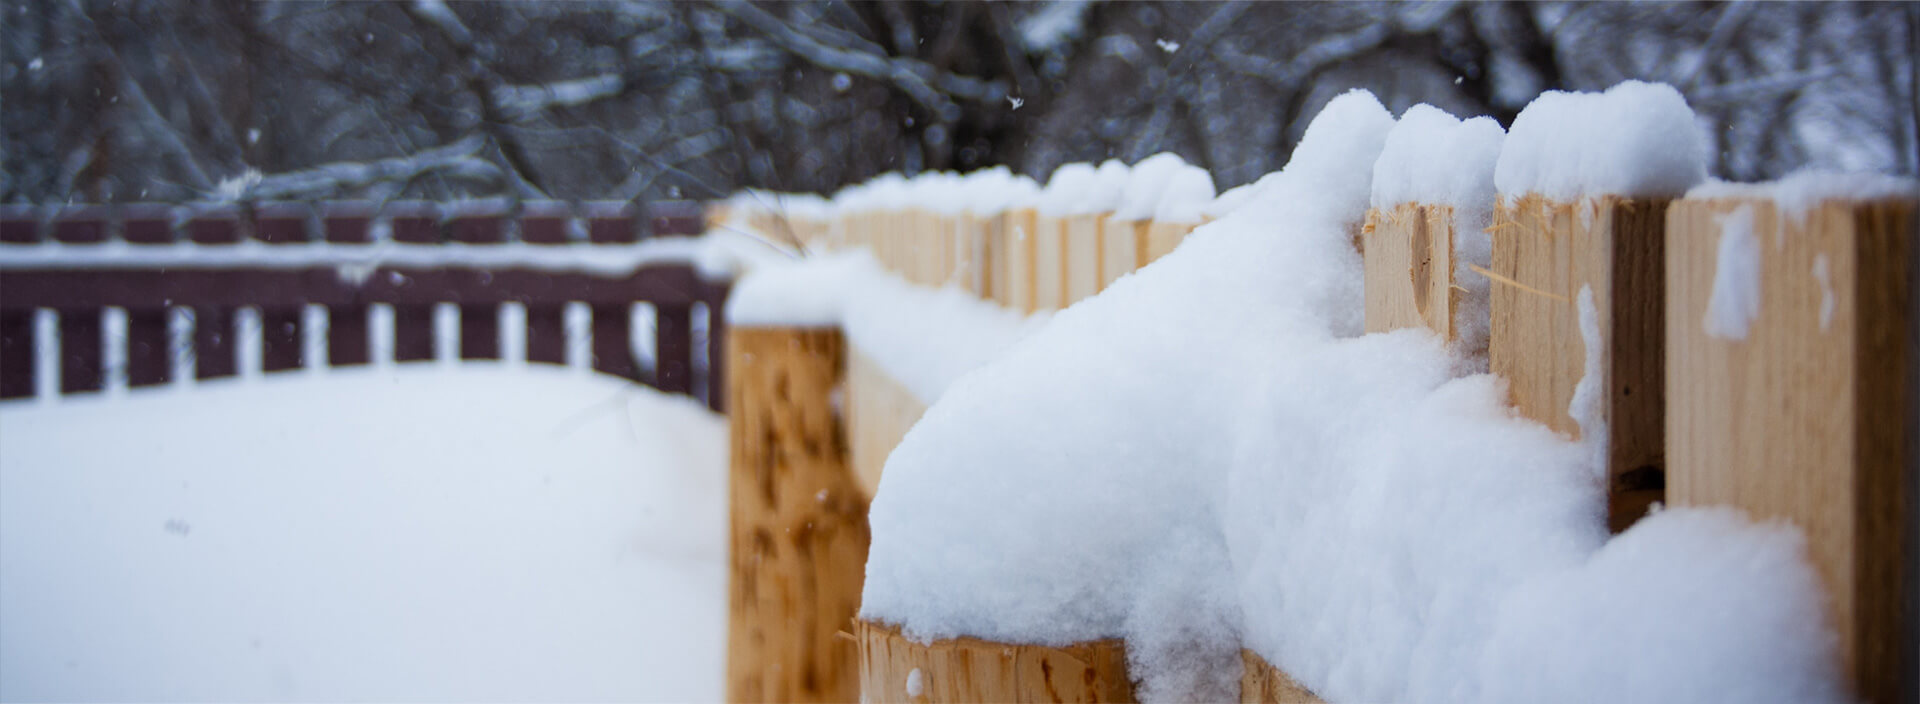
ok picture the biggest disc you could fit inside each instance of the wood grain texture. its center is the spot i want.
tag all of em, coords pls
(1544, 254)
(880, 411)
(1262, 683)
(1049, 263)
(1080, 237)
(1162, 237)
(798, 545)
(1408, 251)
(1123, 248)
(1807, 418)
(974, 670)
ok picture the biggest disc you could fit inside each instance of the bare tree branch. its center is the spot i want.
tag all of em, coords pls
(926, 85)
(456, 159)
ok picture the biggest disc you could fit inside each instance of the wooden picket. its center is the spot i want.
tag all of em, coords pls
(798, 537)
(1548, 255)
(1809, 416)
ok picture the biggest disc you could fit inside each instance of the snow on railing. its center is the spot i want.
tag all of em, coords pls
(1208, 477)
(110, 297)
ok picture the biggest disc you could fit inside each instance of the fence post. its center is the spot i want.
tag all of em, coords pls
(1049, 262)
(1262, 683)
(1545, 254)
(1162, 237)
(879, 412)
(798, 546)
(894, 668)
(1123, 248)
(1018, 227)
(1081, 241)
(1802, 408)
(1408, 253)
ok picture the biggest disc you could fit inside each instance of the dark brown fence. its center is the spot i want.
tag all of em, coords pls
(346, 269)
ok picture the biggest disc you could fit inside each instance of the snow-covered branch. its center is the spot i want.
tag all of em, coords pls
(525, 101)
(927, 86)
(456, 159)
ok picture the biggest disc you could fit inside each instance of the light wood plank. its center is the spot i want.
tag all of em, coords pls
(798, 533)
(1123, 248)
(1049, 263)
(1162, 237)
(1544, 254)
(880, 411)
(1021, 255)
(1409, 269)
(1262, 683)
(974, 670)
(1080, 235)
(1809, 417)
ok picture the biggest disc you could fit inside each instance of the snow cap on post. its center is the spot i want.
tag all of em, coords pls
(1434, 158)
(1186, 197)
(1636, 140)
(1149, 178)
(1069, 184)
(1108, 183)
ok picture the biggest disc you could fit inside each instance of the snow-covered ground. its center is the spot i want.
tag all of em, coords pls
(470, 533)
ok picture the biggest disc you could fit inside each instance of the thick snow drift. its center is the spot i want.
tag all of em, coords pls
(481, 533)
(1207, 454)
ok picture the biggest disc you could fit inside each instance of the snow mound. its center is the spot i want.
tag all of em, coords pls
(481, 533)
(1636, 139)
(1340, 504)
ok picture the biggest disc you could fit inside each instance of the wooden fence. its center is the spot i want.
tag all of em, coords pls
(1809, 418)
(155, 265)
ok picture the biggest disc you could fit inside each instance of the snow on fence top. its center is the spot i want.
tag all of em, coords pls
(1635, 139)
(1433, 158)
(1145, 184)
(924, 338)
(1341, 504)
(1800, 192)
(713, 257)
(1185, 199)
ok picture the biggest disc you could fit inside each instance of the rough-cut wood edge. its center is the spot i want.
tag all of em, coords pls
(1408, 253)
(880, 411)
(798, 523)
(974, 670)
(1809, 417)
(1544, 252)
(1262, 683)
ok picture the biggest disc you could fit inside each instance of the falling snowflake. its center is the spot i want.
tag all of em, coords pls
(35, 64)
(1015, 102)
(841, 82)
(1167, 46)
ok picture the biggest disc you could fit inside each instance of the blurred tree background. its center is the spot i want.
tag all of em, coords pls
(172, 100)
